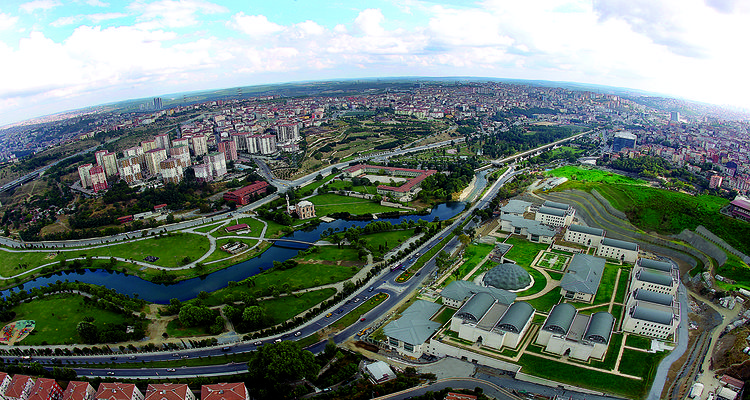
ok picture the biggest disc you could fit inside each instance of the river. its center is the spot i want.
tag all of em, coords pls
(189, 289)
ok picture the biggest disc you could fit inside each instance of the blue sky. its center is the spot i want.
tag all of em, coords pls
(64, 54)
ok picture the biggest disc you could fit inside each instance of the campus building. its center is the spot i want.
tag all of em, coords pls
(584, 235)
(405, 192)
(515, 207)
(486, 320)
(618, 250)
(169, 391)
(118, 391)
(652, 314)
(457, 292)
(242, 196)
(45, 389)
(225, 391)
(740, 208)
(162, 141)
(555, 214)
(582, 278)
(77, 390)
(19, 388)
(581, 336)
(656, 276)
(534, 231)
(182, 153)
(408, 334)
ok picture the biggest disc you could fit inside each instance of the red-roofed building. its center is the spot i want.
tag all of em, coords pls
(237, 228)
(4, 382)
(46, 389)
(78, 390)
(732, 383)
(243, 195)
(403, 192)
(169, 391)
(118, 391)
(20, 388)
(459, 396)
(224, 391)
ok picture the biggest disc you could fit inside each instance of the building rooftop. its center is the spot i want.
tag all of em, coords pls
(620, 244)
(654, 277)
(586, 229)
(554, 204)
(560, 319)
(654, 264)
(584, 274)
(414, 326)
(461, 290)
(516, 317)
(515, 207)
(652, 313)
(76, 390)
(224, 391)
(166, 391)
(507, 276)
(600, 327)
(532, 226)
(653, 297)
(551, 211)
(115, 391)
(476, 306)
(17, 386)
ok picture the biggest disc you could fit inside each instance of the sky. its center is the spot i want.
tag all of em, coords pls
(58, 55)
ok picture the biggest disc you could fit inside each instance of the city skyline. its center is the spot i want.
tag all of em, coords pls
(68, 55)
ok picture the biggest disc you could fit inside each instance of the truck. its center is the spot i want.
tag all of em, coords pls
(696, 390)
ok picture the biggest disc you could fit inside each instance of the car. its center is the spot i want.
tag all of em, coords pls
(171, 370)
(225, 348)
(329, 315)
(340, 311)
(371, 288)
(356, 300)
(361, 319)
(110, 373)
(185, 356)
(132, 357)
(297, 333)
(417, 274)
(175, 355)
(113, 358)
(277, 341)
(258, 343)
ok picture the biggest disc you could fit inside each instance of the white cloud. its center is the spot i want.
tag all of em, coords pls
(93, 18)
(97, 3)
(254, 25)
(368, 22)
(7, 21)
(43, 5)
(174, 13)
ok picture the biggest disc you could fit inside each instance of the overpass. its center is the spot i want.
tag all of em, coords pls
(499, 162)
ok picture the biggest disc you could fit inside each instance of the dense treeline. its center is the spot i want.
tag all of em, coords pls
(517, 139)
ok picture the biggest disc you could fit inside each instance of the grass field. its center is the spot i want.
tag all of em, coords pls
(170, 249)
(444, 316)
(388, 240)
(287, 307)
(600, 381)
(330, 255)
(57, 316)
(332, 203)
(354, 315)
(547, 301)
(539, 282)
(639, 342)
(639, 363)
(472, 256)
(256, 227)
(622, 287)
(607, 284)
(523, 252)
(175, 329)
(574, 173)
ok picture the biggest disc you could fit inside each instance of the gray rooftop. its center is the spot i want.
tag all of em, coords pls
(507, 276)
(516, 317)
(600, 327)
(554, 204)
(586, 229)
(620, 244)
(476, 307)
(651, 314)
(560, 319)
(626, 135)
(532, 226)
(653, 297)
(492, 316)
(462, 290)
(654, 277)
(654, 264)
(584, 274)
(515, 207)
(552, 211)
(414, 326)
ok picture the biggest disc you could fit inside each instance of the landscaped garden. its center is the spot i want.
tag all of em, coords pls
(523, 252)
(553, 261)
(332, 203)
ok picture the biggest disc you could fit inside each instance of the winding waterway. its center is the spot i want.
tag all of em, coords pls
(188, 289)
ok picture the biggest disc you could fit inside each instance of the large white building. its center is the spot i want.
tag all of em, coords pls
(584, 235)
(534, 231)
(84, 174)
(651, 314)
(618, 250)
(153, 158)
(515, 207)
(457, 292)
(656, 276)
(555, 214)
(581, 336)
(582, 278)
(408, 334)
(217, 165)
(490, 322)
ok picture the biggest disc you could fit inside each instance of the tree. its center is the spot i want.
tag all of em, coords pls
(192, 315)
(255, 317)
(87, 331)
(274, 365)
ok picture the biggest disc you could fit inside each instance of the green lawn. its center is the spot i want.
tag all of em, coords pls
(388, 240)
(57, 316)
(638, 363)
(358, 312)
(332, 203)
(622, 286)
(639, 342)
(600, 381)
(472, 256)
(523, 252)
(220, 254)
(287, 307)
(207, 228)
(610, 359)
(539, 282)
(308, 189)
(607, 284)
(445, 315)
(170, 249)
(256, 227)
(175, 329)
(547, 301)
(331, 254)
(555, 275)
(593, 175)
